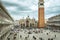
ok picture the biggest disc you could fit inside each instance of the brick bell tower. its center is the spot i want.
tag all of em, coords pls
(41, 21)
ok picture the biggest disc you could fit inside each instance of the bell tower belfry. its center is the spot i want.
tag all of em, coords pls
(41, 21)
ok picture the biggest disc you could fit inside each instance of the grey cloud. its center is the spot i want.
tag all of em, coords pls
(53, 10)
(23, 8)
(9, 3)
(19, 7)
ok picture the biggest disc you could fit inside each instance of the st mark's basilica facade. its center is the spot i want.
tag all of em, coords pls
(28, 22)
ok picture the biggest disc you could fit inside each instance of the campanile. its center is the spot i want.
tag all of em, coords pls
(41, 21)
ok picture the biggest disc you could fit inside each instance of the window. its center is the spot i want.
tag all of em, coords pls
(41, 3)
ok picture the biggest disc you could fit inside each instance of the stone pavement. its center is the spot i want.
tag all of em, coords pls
(33, 34)
(40, 34)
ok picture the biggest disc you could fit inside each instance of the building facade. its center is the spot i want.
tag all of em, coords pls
(28, 23)
(54, 22)
(6, 21)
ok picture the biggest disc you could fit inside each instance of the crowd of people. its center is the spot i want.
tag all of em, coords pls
(37, 32)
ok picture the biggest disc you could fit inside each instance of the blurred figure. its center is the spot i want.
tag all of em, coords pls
(34, 37)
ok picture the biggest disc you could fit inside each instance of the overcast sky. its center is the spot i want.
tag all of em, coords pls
(22, 8)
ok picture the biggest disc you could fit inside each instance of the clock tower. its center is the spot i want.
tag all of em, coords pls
(41, 21)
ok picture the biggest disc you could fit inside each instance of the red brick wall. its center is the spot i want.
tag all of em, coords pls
(41, 21)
